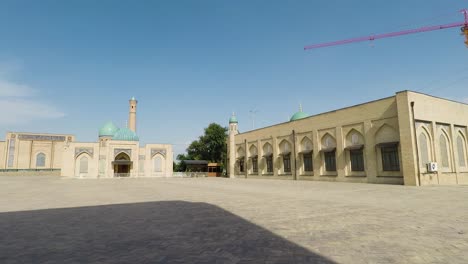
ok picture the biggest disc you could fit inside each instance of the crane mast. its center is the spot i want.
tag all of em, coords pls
(463, 25)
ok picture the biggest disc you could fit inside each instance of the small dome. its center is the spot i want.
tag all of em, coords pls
(133, 98)
(233, 119)
(298, 115)
(108, 129)
(125, 134)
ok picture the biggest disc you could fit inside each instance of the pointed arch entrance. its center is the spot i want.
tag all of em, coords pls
(122, 165)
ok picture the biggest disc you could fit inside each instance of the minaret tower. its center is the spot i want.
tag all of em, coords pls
(232, 144)
(132, 114)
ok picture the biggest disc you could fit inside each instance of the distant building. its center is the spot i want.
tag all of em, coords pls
(409, 138)
(116, 154)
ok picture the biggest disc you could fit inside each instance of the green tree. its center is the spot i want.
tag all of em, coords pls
(181, 165)
(210, 146)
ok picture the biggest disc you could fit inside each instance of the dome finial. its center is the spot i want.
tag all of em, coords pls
(300, 107)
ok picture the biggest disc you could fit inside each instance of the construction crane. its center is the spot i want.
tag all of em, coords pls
(463, 25)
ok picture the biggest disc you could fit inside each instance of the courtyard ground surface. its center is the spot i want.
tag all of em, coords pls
(217, 220)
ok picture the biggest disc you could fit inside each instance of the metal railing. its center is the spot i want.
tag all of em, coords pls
(121, 174)
(189, 174)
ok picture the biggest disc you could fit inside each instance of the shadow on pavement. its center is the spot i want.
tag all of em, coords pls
(152, 232)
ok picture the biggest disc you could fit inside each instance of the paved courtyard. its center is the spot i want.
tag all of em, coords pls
(213, 220)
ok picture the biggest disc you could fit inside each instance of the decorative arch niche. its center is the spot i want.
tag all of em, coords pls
(267, 149)
(461, 150)
(354, 138)
(40, 160)
(82, 165)
(385, 134)
(253, 151)
(285, 147)
(328, 141)
(445, 150)
(306, 145)
(159, 163)
(122, 156)
(424, 146)
(240, 152)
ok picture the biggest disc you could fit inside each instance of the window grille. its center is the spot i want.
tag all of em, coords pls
(357, 160)
(287, 163)
(241, 165)
(269, 163)
(308, 162)
(330, 160)
(255, 164)
(390, 159)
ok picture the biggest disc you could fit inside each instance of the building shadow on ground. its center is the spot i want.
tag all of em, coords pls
(151, 232)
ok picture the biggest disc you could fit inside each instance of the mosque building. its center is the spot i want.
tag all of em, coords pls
(409, 138)
(117, 153)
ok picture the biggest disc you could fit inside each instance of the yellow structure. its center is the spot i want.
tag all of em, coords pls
(409, 138)
(116, 154)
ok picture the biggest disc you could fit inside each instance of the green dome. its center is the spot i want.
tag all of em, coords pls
(108, 129)
(125, 134)
(233, 119)
(298, 115)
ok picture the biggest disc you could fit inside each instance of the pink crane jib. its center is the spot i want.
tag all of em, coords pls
(464, 29)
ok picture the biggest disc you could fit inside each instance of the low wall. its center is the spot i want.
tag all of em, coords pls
(30, 172)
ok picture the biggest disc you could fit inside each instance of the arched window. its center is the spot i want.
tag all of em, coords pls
(444, 151)
(268, 155)
(84, 165)
(285, 149)
(355, 146)
(387, 140)
(461, 145)
(423, 149)
(157, 164)
(40, 160)
(306, 146)
(329, 152)
(254, 158)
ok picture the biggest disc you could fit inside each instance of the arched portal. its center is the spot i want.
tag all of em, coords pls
(122, 165)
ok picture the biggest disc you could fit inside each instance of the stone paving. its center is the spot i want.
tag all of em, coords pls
(216, 220)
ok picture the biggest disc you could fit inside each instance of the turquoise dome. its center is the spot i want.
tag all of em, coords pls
(125, 134)
(108, 129)
(233, 119)
(299, 115)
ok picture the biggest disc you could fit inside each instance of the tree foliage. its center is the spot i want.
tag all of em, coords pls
(210, 146)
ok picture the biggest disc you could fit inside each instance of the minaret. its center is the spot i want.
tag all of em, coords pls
(232, 144)
(132, 114)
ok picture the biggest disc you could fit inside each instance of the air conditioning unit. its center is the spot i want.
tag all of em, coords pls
(432, 167)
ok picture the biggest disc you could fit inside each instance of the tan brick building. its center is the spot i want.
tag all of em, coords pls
(117, 153)
(409, 138)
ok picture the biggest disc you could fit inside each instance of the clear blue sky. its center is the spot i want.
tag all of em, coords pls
(70, 66)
